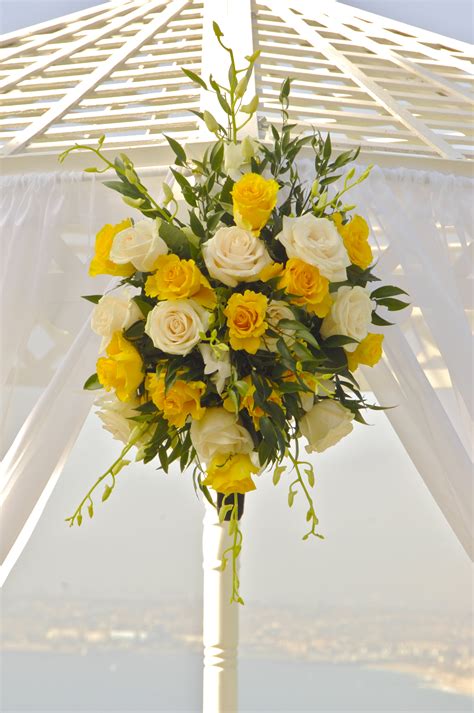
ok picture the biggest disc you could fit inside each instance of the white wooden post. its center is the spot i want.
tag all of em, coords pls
(220, 620)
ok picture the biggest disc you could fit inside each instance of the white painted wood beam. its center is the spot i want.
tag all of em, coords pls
(51, 25)
(73, 47)
(385, 51)
(68, 31)
(383, 97)
(103, 70)
(418, 37)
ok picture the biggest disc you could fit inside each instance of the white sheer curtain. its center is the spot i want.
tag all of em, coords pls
(49, 222)
(421, 223)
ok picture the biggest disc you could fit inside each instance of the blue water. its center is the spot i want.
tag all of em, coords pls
(133, 682)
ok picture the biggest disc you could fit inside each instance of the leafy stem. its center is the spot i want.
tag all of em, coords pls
(111, 472)
(311, 516)
(236, 533)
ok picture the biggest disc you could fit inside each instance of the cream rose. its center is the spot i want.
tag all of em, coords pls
(317, 242)
(114, 313)
(219, 433)
(174, 326)
(234, 255)
(139, 244)
(350, 315)
(325, 425)
(276, 311)
(115, 415)
(218, 366)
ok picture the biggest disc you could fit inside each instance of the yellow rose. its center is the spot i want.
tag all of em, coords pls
(355, 235)
(182, 399)
(270, 271)
(246, 320)
(101, 263)
(368, 352)
(310, 287)
(121, 369)
(176, 279)
(254, 198)
(231, 474)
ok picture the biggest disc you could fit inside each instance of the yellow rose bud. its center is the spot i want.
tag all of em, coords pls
(246, 320)
(368, 352)
(121, 369)
(101, 263)
(254, 198)
(307, 286)
(181, 400)
(177, 279)
(270, 271)
(355, 235)
(231, 474)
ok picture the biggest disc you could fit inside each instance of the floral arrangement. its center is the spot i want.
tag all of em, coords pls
(242, 310)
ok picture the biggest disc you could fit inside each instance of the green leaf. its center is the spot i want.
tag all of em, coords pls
(92, 298)
(327, 147)
(194, 77)
(178, 150)
(136, 331)
(217, 30)
(338, 340)
(380, 321)
(92, 383)
(175, 239)
(392, 304)
(196, 225)
(285, 89)
(143, 305)
(387, 291)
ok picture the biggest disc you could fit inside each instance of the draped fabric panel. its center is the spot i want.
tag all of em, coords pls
(421, 224)
(49, 222)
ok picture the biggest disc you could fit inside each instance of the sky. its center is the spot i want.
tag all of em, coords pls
(454, 18)
(387, 544)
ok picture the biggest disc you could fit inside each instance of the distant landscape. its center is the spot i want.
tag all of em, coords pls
(434, 650)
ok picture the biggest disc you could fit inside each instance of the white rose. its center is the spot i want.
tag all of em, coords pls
(317, 242)
(113, 313)
(115, 415)
(174, 326)
(219, 367)
(325, 425)
(140, 244)
(234, 255)
(276, 311)
(350, 315)
(219, 433)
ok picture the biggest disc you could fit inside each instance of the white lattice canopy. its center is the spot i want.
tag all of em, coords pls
(116, 69)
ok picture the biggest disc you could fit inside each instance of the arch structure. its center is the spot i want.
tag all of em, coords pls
(401, 92)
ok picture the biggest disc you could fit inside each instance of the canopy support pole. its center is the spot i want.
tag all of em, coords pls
(220, 620)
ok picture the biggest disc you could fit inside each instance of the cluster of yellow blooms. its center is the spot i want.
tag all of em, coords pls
(173, 278)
